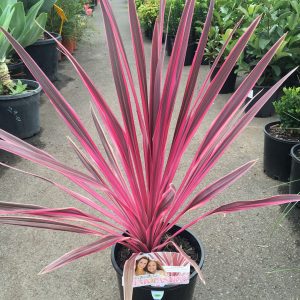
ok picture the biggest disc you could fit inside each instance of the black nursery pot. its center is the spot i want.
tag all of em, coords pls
(190, 51)
(170, 44)
(149, 33)
(268, 108)
(171, 292)
(19, 114)
(45, 54)
(16, 70)
(229, 84)
(295, 170)
(277, 159)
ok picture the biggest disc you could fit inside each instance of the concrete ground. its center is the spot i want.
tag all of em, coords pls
(241, 249)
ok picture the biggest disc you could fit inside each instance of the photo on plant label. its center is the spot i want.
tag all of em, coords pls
(161, 268)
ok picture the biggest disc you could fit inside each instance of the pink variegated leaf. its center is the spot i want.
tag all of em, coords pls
(108, 149)
(117, 217)
(45, 223)
(68, 214)
(19, 208)
(138, 46)
(217, 187)
(128, 273)
(218, 58)
(94, 247)
(166, 200)
(168, 97)
(237, 206)
(237, 99)
(66, 112)
(230, 136)
(218, 81)
(11, 206)
(200, 168)
(192, 262)
(195, 68)
(212, 190)
(88, 165)
(179, 144)
(120, 66)
(15, 140)
(48, 162)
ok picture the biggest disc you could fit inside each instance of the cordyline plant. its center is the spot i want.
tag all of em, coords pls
(131, 189)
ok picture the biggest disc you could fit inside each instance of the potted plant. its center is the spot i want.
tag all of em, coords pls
(148, 12)
(281, 136)
(278, 18)
(43, 50)
(139, 206)
(174, 10)
(73, 26)
(212, 50)
(19, 98)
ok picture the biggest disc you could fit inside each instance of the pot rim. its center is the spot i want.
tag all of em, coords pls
(169, 287)
(268, 125)
(32, 83)
(293, 152)
(47, 41)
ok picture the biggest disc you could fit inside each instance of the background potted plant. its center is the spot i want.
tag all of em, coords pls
(19, 99)
(281, 136)
(141, 213)
(73, 27)
(174, 9)
(212, 50)
(279, 17)
(148, 12)
(43, 50)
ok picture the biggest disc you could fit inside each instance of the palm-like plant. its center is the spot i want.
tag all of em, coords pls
(131, 189)
(25, 28)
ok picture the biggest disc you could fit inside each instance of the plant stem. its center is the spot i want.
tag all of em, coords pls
(5, 79)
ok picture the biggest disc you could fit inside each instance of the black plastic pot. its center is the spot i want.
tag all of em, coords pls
(295, 170)
(171, 292)
(45, 54)
(17, 70)
(277, 159)
(190, 51)
(169, 44)
(19, 114)
(268, 109)
(148, 33)
(229, 84)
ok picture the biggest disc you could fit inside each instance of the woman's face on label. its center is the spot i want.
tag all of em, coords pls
(152, 266)
(142, 263)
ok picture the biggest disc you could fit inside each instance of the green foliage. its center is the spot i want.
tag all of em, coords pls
(174, 10)
(138, 3)
(22, 26)
(279, 17)
(175, 7)
(76, 21)
(225, 17)
(148, 12)
(46, 7)
(215, 43)
(18, 88)
(288, 108)
(15, 89)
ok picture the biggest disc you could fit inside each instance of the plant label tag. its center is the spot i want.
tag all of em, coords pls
(160, 269)
(157, 295)
(250, 95)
